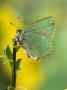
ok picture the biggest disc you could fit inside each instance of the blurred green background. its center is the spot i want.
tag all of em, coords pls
(50, 73)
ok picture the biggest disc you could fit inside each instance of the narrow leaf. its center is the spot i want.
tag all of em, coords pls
(8, 53)
(10, 88)
(18, 64)
(4, 79)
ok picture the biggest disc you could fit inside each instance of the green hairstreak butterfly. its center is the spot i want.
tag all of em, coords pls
(36, 38)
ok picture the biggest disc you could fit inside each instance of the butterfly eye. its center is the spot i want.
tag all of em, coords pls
(19, 31)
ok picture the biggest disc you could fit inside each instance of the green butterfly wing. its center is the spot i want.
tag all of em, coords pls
(37, 37)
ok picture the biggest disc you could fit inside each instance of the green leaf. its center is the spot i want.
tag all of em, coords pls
(10, 88)
(18, 64)
(8, 53)
(17, 47)
(4, 79)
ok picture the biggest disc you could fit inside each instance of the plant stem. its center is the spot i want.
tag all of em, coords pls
(14, 68)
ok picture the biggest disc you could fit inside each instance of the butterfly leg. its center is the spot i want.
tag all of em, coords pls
(38, 59)
(27, 54)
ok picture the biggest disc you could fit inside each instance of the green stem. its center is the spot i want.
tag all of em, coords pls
(14, 68)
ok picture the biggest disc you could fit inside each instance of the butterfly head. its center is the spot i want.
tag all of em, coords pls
(19, 31)
(18, 39)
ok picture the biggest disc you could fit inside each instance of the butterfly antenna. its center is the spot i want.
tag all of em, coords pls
(19, 19)
(14, 25)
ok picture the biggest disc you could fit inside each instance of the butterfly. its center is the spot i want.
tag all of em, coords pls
(36, 38)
